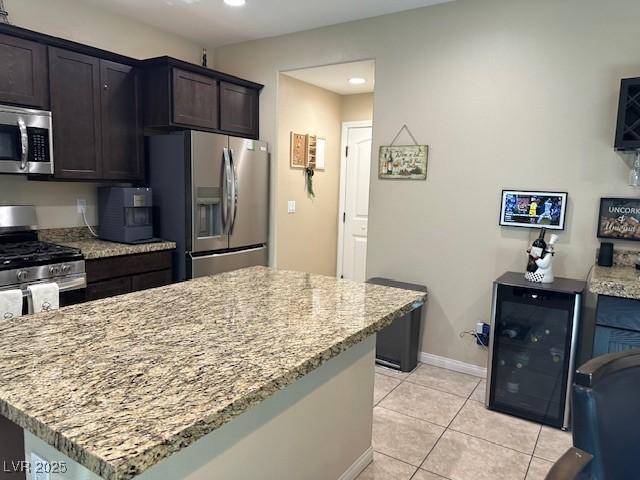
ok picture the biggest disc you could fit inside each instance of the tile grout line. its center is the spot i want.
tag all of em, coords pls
(484, 439)
(412, 416)
(534, 451)
(440, 389)
(386, 394)
(406, 463)
(490, 441)
(442, 434)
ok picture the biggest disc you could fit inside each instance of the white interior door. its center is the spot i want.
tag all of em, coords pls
(355, 203)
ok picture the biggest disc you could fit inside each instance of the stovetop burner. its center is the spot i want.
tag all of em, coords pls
(34, 253)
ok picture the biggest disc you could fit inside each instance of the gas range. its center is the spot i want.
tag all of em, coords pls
(24, 260)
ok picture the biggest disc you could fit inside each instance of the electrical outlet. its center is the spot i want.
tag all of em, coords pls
(291, 206)
(482, 334)
(82, 205)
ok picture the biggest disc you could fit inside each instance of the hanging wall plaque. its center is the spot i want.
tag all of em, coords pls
(619, 218)
(405, 162)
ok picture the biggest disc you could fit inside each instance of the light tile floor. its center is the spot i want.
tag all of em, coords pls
(432, 425)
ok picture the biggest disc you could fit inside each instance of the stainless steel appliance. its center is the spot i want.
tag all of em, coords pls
(125, 214)
(26, 141)
(212, 197)
(24, 260)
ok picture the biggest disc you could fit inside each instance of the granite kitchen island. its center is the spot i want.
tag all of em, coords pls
(256, 373)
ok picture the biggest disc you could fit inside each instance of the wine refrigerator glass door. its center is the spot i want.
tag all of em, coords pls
(531, 353)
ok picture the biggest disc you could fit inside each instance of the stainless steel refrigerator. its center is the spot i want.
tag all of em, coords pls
(211, 197)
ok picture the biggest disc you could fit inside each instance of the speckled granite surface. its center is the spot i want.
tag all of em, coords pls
(121, 383)
(616, 281)
(61, 235)
(94, 248)
(620, 280)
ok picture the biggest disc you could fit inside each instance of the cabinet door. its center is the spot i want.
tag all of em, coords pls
(23, 76)
(122, 157)
(145, 281)
(239, 110)
(195, 100)
(614, 340)
(108, 288)
(74, 83)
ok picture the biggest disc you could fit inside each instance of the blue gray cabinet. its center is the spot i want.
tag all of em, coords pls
(617, 325)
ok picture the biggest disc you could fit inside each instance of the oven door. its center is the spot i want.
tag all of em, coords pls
(72, 291)
(26, 144)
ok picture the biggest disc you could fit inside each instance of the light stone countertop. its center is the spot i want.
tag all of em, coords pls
(121, 383)
(617, 281)
(621, 280)
(94, 248)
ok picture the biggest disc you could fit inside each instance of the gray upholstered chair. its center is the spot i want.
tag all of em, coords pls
(606, 421)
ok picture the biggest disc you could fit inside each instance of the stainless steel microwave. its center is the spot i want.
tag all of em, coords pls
(26, 141)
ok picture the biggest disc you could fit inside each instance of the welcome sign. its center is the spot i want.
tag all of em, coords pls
(619, 218)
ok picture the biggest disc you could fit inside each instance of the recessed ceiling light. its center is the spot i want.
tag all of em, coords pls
(235, 3)
(357, 81)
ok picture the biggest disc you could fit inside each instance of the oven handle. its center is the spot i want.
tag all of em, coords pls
(75, 282)
(24, 141)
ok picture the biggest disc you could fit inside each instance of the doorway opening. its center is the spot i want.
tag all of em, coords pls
(355, 174)
(325, 118)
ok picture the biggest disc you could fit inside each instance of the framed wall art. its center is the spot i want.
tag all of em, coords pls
(619, 218)
(403, 162)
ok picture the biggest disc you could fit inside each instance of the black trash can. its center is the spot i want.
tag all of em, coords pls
(397, 345)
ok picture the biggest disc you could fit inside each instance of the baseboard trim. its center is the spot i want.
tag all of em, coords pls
(451, 364)
(358, 466)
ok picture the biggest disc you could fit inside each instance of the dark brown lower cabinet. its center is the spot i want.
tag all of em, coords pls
(11, 450)
(129, 273)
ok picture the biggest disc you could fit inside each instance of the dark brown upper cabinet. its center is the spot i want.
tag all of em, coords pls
(179, 95)
(238, 109)
(97, 133)
(23, 73)
(628, 127)
(74, 81)
(122, 136)
(195, 99)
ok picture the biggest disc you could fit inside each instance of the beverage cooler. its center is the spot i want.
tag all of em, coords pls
(533, 343)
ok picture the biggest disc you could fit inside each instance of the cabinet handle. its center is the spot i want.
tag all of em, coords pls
(106, 87)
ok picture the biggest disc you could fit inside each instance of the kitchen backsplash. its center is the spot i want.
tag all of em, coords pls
(55, 202)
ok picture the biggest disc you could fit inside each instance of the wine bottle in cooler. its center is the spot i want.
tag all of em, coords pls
(538, 250)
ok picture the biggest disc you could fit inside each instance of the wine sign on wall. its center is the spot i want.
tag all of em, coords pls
(619, 218)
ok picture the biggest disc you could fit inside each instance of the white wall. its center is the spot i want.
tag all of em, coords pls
(508, 94)
(84, 23)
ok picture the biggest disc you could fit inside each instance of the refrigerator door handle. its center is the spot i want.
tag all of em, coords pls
(228, 187)
(235, 190)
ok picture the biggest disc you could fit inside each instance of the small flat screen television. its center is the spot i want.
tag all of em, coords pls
(533, 209)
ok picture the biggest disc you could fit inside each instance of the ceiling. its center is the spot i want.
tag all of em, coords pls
(212, 23)
(336, 77)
